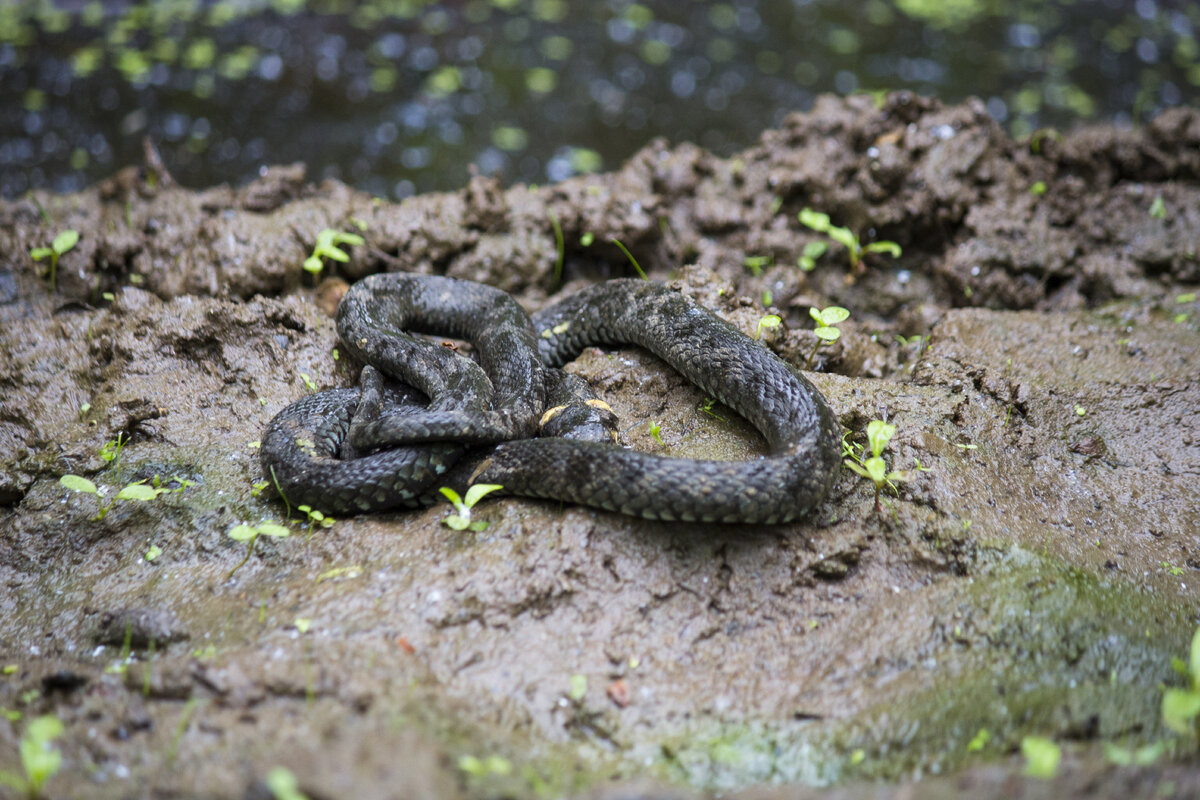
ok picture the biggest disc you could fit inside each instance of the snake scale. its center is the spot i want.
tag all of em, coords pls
(369, 449)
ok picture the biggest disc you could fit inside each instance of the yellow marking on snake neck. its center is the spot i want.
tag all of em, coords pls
(551, 414)
(600, 404)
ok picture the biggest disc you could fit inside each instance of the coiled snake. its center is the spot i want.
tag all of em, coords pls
(369, 449)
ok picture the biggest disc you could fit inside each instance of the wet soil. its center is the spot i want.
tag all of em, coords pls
(1036, 345)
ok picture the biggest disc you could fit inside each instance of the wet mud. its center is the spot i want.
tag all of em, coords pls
(1036, 345)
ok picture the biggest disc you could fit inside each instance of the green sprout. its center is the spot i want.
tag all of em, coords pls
(873, 467)
(636, 266)
(328, 246)
(39, 758)
(315, 518)
(250, 534)
(462, 520)
(756, 263)
(812, 251)
(827, 320)
(137, 491)
(1181, 707)
(844, 236)
(1042, 756)
(308, 382)
(62, 244)
(1142, 757)
(1158, 209)
(283, 785)
(1038, 188)
(656, 432)
(979, 741)
(587, 239)
(768, 321)
(480, 767)
(559, 246)
(111, 451)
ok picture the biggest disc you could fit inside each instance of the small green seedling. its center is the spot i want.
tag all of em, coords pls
(482, 767)
(1181, 707)
(559, 246)
(250, 534)
(111, 451)
(315, 518)
(462, 520)
(636, 266)
(1038, 188)
(979, 741)
(1142, 757)
(283, 785)
(812, 251)
(874, 468)
(1042, 756)
(577, 688)
(1158, 209)
(62, 244)
(767, 321)
(328, 246)
(827, 320)
(308, 382)
(138, 492)
(656, 432)
(756, 264)
(844, 236)
(39, 758)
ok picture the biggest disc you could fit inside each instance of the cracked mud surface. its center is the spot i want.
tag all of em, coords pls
(1034, 577)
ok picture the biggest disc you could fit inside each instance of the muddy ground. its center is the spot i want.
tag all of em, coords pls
(1034, 344)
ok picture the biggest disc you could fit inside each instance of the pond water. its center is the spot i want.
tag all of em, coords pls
(403, 96)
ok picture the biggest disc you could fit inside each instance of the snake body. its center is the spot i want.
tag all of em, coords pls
(519, 358)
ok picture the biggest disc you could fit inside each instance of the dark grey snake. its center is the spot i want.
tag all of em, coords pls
(355, 450)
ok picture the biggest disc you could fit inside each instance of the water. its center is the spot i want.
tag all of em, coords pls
(403, 96)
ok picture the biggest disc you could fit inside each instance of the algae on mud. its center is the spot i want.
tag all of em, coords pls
(1038, 556)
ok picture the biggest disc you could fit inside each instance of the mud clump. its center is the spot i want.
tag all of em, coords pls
(1034, 344)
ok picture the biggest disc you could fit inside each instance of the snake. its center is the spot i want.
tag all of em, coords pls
(421, 406)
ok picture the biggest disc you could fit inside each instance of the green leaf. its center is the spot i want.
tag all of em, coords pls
(313, 264)
(78, 484)
(38, 758)
(274, 529)
(855, 466)
(242, 533)
(1179, 709)
(152, 552)
(479, 491)
(1042, 756)
(456, 522)
(38, 253)
(814, 219)
(844, 236)
(65, 241)
(478, 525)
(879, 433)
(770, 321)
(1179, 666)
(1142, 757)
(814, 250)
(891, 248)
(137, 491)
(979, 741)
(283, 786)
(828, 333)
(876, 469)
(834, 315)
(451, 495)
(1194, 661)
(578, 687)
(1158, 209)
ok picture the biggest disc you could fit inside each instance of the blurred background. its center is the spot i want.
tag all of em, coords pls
(400, 96)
